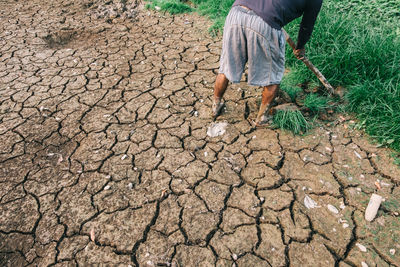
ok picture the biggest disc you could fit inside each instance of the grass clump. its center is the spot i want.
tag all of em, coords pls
(292, 120)
(171, 6)
(291, 84)
(316, 103)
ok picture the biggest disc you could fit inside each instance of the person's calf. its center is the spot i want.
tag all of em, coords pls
(221, 83)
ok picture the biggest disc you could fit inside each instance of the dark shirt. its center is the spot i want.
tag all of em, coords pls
(278, 13)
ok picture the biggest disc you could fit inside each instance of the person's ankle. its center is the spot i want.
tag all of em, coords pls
(217, 99)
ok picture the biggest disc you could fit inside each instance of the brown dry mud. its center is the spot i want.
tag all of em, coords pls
(105, 158)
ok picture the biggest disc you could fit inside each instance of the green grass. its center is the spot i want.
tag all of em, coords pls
(216, 10)
(316, 103)
(391, 205)
(293, 121)
(396, 157)
(380, 9)
(362, 53)
(355, 44)
(291, 84)
(377, 104)
(172, 6)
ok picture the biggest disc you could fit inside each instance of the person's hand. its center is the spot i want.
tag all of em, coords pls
(300, 53)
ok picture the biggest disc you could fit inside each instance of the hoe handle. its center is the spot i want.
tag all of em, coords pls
(308, 63)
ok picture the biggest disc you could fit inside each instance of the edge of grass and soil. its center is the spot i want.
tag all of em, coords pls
(356, 45)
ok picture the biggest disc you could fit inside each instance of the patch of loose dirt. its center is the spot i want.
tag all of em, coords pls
(105, 157)
(69, 38)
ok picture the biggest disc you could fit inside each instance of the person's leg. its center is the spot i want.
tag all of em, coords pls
(233, 56)
(268, 95)
(221, 83)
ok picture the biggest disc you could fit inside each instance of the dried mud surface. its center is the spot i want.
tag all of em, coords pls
(105, 160)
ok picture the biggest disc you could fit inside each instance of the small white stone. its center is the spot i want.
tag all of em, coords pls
(157, 8)
(345, 225)
(392, 251)
(50, 154)
(345, 166)
(205, 154)
(342, 206)
(309, 202)
(363, 264)
(196, 113)
(262, 199)
(254, 137)
(358, 155)
(135, 168)
(201, 100)
(107, 187)
(334, 230)
(350, 178)
(130, 186)
(124, 157)
(373, 207)
(332, 209)
(361, 247)
(328, 148)
(234, 257)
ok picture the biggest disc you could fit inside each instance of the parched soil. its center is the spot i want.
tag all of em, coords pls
(105, 158)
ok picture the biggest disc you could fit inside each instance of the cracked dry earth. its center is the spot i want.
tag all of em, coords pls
(105, 158)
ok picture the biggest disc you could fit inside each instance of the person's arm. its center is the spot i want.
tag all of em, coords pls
(307, 23)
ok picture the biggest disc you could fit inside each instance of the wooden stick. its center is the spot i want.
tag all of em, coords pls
(308, 63)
